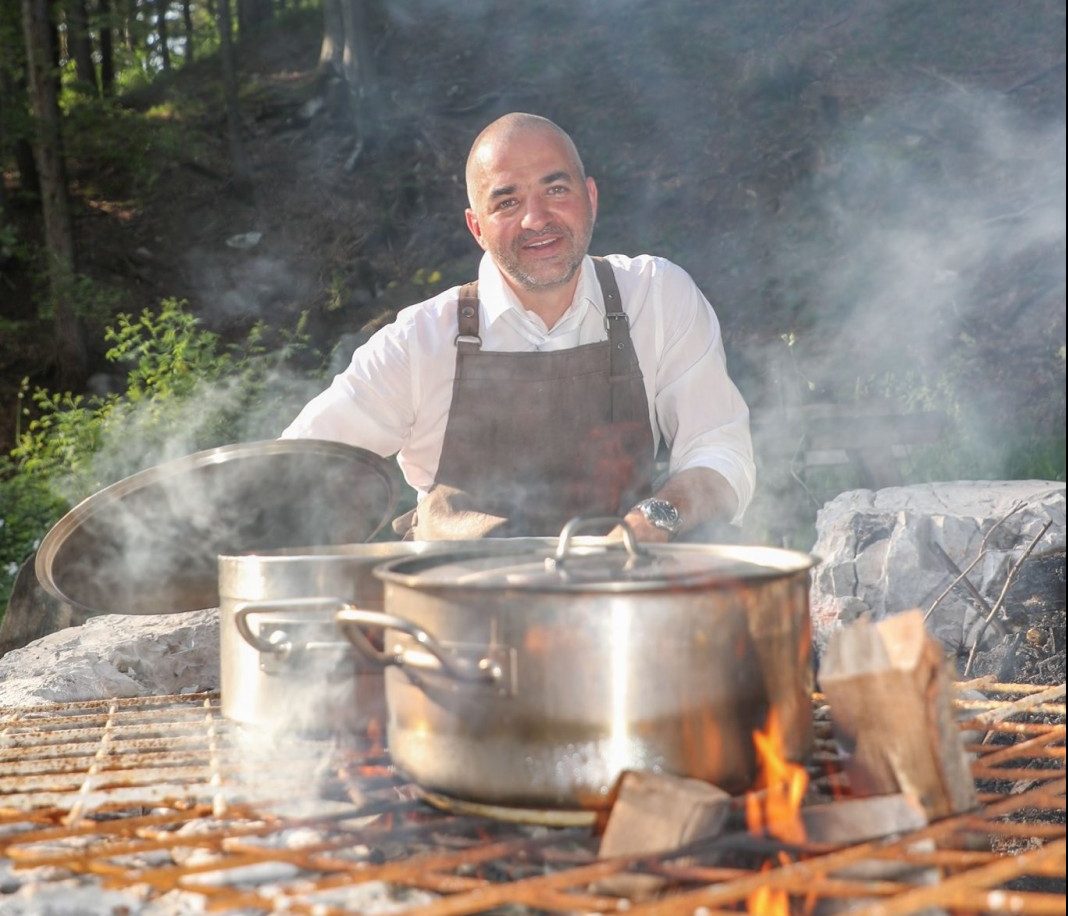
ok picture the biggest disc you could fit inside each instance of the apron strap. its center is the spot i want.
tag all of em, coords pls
(617, 324)
(468, 341)
(620, 349)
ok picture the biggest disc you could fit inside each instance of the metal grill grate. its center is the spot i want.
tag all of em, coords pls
(163, 798)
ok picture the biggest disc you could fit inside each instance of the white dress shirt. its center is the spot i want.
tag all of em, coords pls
(395, 395)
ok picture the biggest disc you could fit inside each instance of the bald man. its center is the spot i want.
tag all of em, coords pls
(544, 389)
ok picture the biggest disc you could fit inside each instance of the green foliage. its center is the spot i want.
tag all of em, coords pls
(167, 353)
(10, 246)
(336, 292)
(184, 391)
(28, 506)
(426, 277)
(123, 151)
(87, 297)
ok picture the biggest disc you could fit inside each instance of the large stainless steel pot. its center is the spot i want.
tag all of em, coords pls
(149, 543)
(534, 680)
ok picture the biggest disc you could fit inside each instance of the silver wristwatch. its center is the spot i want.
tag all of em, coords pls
(660, 514)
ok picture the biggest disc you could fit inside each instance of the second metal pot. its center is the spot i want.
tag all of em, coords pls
(284, 663)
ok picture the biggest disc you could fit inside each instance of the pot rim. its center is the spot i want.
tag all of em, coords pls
(117, 520)
(766, 564)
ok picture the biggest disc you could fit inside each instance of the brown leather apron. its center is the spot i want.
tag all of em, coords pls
(536, 438)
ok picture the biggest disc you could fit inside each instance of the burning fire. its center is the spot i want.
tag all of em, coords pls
(775, 808)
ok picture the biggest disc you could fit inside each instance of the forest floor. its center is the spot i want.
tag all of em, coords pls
(755, 145)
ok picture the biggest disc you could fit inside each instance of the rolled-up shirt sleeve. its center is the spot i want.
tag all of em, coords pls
(699, 409)
(370, 403)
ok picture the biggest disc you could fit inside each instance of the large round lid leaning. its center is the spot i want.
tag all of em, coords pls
(149, 544)
(602, 566)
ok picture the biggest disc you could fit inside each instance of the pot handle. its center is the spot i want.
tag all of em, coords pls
(350, 618)
(246, 609)
(630, 542)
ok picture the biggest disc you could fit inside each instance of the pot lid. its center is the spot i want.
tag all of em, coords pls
(597, 566)
(149, 544)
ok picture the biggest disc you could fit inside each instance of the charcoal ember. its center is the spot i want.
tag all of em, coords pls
(212, 830)
(266, 874)
(49, 890)
(1033, 652)
(372, 897)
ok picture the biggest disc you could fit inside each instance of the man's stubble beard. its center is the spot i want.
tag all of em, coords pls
(508, 259)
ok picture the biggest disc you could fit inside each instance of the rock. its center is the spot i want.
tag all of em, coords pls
(879, 552)
(312, 107)
(115, 655)
(31, 611)
(244, 241)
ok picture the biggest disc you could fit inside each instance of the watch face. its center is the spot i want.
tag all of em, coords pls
(661, 513)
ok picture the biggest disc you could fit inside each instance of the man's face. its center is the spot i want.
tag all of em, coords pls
(531, 209)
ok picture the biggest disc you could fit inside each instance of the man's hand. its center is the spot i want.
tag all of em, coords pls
(700, 494)
(642, 528)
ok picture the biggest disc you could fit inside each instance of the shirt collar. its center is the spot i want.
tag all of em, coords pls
(496, 296)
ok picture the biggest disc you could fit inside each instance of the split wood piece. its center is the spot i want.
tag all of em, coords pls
(890, 695)
(859, 820)
(854, 820)
(654, 814)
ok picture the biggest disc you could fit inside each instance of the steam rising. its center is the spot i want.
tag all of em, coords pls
(921, 212)
(924, 263)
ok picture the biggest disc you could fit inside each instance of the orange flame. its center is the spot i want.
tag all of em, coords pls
(776, 809)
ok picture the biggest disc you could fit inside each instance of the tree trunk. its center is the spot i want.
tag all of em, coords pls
(161, 30)
(55, 204)
(13, 98)
(187, 19)
(81, 45)
(5, 142)
(358, 67)
(238, 162)
(129, 25)
(332, 48)
(107, 49)
(60, 43)
(27, 165)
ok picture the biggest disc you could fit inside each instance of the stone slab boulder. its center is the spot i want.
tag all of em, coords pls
(31, 612)
(115, 655)
(885, 551)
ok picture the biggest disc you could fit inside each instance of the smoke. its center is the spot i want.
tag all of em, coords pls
(911, 223)
(243, 286)
(920, 268)
(172, 413)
